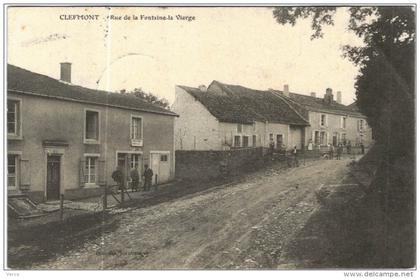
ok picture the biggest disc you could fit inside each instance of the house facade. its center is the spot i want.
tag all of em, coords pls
(223, 117)
(66, 139)
(331, 122)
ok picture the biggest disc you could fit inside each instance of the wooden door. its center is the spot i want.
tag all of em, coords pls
(53, 177)
(164, 168)
(154, 165)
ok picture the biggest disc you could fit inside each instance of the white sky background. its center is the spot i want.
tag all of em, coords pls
(243, 46)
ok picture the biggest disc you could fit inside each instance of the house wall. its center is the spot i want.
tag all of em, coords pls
(51, 119)
(195, 128)
(334, 125)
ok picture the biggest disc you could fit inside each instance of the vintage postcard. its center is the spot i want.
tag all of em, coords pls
(210, 138)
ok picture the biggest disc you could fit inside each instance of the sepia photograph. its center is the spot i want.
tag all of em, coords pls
(210, 137)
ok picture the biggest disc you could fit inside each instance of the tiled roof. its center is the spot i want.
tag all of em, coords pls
(318, 104)
(238, 104)
(353, 106)
(24, 81)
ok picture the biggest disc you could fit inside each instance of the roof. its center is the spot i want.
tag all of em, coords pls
(318, 104)
(23, 81)
(353, 106)
(238, 104)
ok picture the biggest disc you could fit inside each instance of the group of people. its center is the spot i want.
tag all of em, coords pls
(119, 177)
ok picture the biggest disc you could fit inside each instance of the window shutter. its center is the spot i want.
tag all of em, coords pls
(82, 172)
(25, 173)
(101, 172)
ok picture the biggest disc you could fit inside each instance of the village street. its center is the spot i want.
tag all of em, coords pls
(244, 225)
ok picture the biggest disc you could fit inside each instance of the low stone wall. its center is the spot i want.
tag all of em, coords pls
(206, 165)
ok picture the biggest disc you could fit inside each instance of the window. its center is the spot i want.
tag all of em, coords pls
(136, 128)
(360, 125)
(323, 120)
(134, 160)
(271, 137)
(90, 169)
(13, 117)
(239, 128)
(237, 141)
(244, 141)
(254, 140)
(164, 157)
(343, 122)
(92, 125)
(12, 170)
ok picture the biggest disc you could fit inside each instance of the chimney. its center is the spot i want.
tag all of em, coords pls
(338, 97)
(313, 94)
(65, 72)
(328, 97)
(202, 88)
(286, 90)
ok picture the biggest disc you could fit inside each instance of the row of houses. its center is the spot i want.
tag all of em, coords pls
(222, 116)
(67, 139)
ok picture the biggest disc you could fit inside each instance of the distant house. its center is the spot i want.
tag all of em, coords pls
(225, 116)
(67, 139)
(330, 120)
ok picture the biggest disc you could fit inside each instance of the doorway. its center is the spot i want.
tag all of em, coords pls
(128, 161)
(53, 177)
(160, 165)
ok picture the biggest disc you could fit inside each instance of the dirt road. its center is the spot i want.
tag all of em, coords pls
(246, 225)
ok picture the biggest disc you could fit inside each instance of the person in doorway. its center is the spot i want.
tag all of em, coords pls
(339, 151)
(310, 145)
(295, 157)
(148, 176)
(348, 147)
(331, 151)
(118, 177)
(271, 147)
(135, 179)
(362, 148)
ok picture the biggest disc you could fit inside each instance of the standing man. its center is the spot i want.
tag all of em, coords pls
(339, 151)
(348, 147)
(295, 158)
(135, 178)
(331, 150)
(148, 175)
(362, 148)
(118, 177)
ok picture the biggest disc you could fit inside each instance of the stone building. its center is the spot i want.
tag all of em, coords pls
(67, 139)
(224, 116)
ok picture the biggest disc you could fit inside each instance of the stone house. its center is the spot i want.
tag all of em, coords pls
(223, 117)
(67, 139)
(330, 121)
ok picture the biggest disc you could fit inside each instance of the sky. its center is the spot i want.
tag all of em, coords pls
(235, 45)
